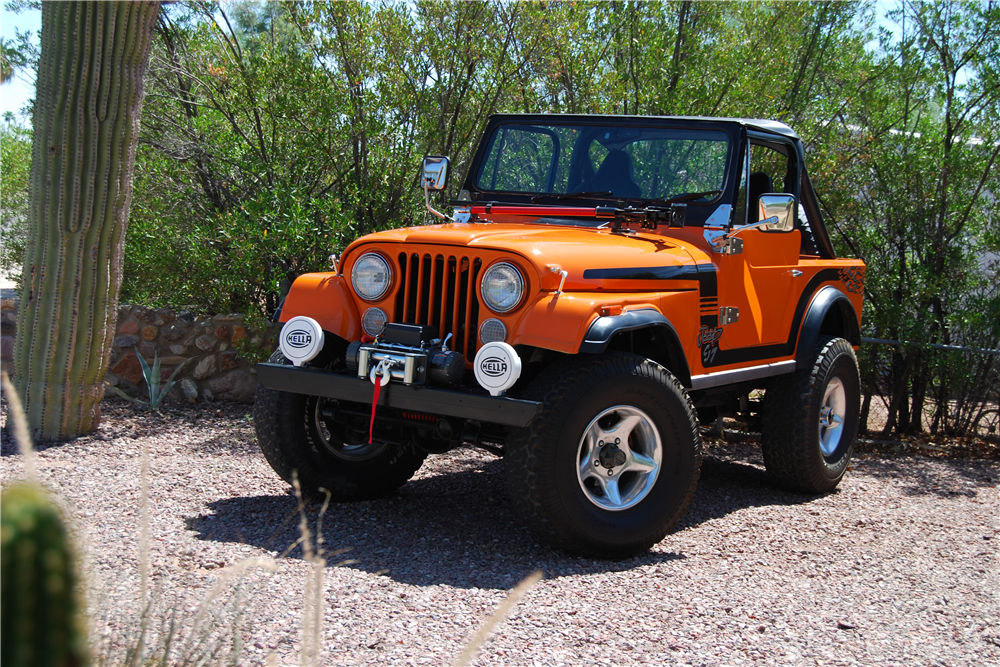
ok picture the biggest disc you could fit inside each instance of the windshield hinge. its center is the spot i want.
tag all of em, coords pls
(727, 246)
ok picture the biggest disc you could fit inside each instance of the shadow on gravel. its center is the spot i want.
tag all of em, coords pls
(455, 529)
(947, 478)
(727, 486)
(458, 529)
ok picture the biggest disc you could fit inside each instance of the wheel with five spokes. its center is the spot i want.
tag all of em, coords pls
(611, 465)
(620, 456)
(810, 420)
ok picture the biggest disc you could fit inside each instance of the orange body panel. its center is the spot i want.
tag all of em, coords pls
(326, 298)
(673, 271)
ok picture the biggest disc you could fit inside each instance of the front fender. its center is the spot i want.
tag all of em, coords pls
(326, 298)
(560, 321)
(604, 328)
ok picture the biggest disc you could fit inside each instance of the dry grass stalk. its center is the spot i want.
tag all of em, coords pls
(497, 618)
(312, 615)
(16, 414)
(144, 524)
(228, 574)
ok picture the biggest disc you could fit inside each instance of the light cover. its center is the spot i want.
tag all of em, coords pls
(373, 321)
(502, 287)
(371, 276)
(492, 330)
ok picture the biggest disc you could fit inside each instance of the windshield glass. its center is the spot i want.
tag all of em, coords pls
(609, 161)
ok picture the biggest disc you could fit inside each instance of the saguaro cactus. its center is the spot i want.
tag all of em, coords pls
(90, 86)
(40, 617)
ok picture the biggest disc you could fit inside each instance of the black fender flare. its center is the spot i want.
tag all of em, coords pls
(604, 328)
(828, 299)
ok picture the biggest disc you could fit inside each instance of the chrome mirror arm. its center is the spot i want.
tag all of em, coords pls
(722, 243)
(773, 220)
(427, 201)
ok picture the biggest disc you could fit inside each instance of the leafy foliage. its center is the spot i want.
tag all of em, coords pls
(273, 134)
(15, 168)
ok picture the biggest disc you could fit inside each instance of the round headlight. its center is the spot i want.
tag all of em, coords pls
(492, 330)
(373, 321)
(502, 287)
(371, 276)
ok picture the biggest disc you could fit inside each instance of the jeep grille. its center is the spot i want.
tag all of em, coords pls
(440, 289)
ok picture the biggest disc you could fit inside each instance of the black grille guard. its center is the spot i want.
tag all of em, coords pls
(432, 400)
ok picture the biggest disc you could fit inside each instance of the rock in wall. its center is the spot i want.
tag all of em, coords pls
(211, 345)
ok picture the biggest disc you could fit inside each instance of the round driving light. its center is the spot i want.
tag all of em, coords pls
(371, 276)
(492, 330)
(502, 287)
(497, 367)
(373, 321)
(301, 339)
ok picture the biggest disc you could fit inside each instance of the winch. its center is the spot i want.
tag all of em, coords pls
(411, 354)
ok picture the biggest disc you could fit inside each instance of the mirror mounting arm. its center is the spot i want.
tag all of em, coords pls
(427, 201)
(728, 245)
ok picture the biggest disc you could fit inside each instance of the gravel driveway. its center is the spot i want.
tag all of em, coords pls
(899, 567)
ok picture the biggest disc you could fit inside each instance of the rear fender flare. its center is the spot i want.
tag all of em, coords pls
(832, 313)
(605, 328)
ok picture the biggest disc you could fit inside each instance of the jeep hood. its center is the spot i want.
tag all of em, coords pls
(573, 249)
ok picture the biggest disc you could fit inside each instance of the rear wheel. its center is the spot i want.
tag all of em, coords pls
(610, 466)
(811, 420)
(299, 436)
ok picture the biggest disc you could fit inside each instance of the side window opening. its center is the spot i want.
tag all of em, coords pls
(740, 212)
(772, 170)
(769, 171)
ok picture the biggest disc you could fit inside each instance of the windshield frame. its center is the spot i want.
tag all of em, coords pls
(732, 130)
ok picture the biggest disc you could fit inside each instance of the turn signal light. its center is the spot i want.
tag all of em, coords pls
(610, 310)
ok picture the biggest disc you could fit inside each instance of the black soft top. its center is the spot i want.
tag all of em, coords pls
(759, 124)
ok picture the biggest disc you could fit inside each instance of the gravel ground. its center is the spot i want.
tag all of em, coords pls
(898, 567)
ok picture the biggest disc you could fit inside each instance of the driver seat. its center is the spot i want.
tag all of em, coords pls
(760, 184)
(614, 175)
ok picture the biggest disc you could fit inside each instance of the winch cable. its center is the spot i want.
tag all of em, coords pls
(384, 369)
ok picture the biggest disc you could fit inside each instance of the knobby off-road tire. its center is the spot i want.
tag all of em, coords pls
(295, 441)
(574, 510)
(803, 448)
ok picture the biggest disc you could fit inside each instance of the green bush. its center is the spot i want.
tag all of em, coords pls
(15, 167)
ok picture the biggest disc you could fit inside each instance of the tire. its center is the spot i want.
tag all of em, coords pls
(296, 440)
(576, 511)
(801, 452)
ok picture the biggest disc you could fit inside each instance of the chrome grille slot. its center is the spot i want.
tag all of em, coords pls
(439, 289)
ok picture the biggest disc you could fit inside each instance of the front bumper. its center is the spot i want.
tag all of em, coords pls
(432, 400)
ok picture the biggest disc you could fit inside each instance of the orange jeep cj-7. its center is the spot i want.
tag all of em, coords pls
(604, 283)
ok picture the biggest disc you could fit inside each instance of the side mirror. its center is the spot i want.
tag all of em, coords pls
(435, 175)
(779, 212)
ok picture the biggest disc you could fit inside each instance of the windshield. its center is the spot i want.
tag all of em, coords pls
(604, 161)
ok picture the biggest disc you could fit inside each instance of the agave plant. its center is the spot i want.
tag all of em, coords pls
(157, 389)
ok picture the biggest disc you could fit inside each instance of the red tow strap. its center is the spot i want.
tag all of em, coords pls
(371, 425)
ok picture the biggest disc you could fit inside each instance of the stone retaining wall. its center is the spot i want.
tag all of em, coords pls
(209, 344)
